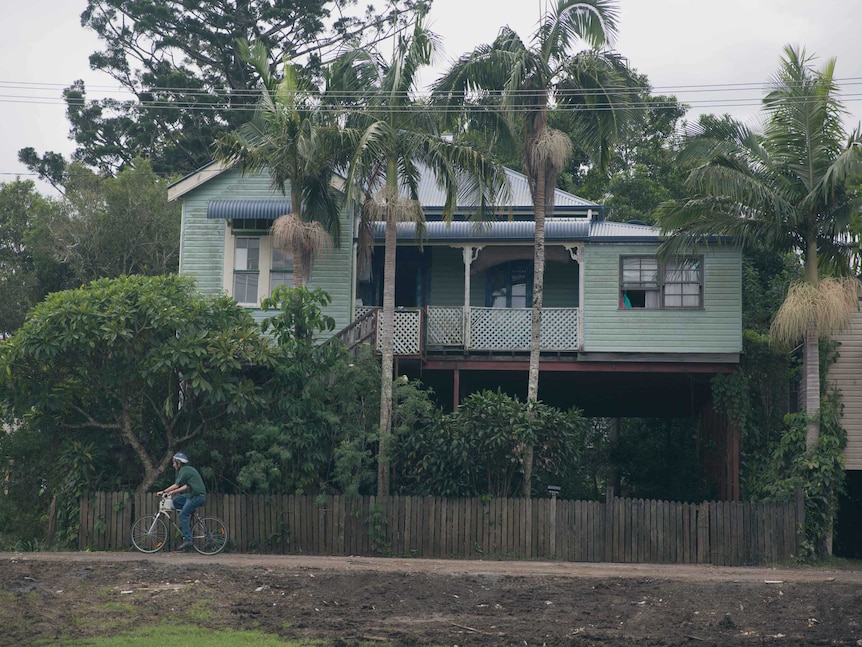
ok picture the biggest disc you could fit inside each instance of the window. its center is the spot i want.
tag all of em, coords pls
(509, 285)
(281, 269)
(683, 285)
(257, 268)
(647, 283)
(246, 269)
(639, 286)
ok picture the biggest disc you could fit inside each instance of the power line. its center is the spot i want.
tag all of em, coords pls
(564, 104)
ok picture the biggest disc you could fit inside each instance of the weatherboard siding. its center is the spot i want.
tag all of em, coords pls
(202, 239)
(202, 246)
(561, 285)
(447, 277)
(717, 328)
(846, 375)
(333, 273)
(202, 242)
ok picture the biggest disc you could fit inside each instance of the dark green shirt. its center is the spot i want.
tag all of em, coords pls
(188, 475)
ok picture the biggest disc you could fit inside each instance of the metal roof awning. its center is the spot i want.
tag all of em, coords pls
(248, 209)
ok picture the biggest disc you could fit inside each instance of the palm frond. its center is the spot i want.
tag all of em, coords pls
(601, 97)
(592, 21)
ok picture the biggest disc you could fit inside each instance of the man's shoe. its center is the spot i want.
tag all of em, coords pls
(188, 543)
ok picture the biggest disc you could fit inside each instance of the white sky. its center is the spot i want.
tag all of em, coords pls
(683, 46)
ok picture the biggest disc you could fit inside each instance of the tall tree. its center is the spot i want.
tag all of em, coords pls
(25, 277)
(299, 144)
(396, 143)
(787, 188)
(516, 85)
(116, 226)
(180, 64)
(147, 361)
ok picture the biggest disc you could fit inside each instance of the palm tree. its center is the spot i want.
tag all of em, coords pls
(396, 143)
(514, 87)
(785, 188)
(292, 138)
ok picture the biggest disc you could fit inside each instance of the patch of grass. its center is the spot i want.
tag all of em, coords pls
(200, 611)
(118, 607)
(108, 617)
(188, 636)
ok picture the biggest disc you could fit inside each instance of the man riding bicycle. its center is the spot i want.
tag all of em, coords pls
(189, 485)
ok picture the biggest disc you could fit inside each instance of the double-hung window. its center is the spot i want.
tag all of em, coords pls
(683, 283)
(281, 269)
(258, 266)
(647, 283)
(246, 269)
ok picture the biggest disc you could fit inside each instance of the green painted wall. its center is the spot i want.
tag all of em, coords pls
(447, 277)
(561, 285)
(202, 242)
(717, 328)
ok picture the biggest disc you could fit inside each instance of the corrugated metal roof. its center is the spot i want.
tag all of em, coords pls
(248, 209)
(432, 197)
(556, 229)
(623, 231)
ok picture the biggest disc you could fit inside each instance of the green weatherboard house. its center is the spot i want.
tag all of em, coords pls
(624, 333)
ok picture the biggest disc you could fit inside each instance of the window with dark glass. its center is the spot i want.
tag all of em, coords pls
(510, 285)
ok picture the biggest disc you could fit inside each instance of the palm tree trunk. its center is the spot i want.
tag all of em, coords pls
(298, 265)
(811, 375)
(811, 356)
(536, 319)
(298, 268)
(387, 329)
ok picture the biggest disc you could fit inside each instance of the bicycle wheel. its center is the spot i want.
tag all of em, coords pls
(149, 534)
(209, 535)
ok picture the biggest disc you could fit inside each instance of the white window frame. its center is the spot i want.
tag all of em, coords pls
(647, 283)
(281, 273)
(246, 271)
(265, 272)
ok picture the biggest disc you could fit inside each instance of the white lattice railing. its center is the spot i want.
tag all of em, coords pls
(408, 329)
(490, 329)
(560, 329)
(445, 326)
(503, 329)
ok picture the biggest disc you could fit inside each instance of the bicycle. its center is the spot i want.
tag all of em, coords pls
(150, 532)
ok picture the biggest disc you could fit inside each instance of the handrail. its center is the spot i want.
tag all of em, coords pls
(361, 330)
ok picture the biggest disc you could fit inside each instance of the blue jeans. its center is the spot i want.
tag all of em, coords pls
(186, 505)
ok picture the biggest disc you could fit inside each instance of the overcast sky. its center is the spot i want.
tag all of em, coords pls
(713, 55)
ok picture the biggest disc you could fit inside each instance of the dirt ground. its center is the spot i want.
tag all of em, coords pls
(349, 601)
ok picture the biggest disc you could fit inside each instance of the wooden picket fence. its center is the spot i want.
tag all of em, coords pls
(726, 533)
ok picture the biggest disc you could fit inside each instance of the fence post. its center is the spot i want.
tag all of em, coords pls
(553, 527)
(609, 524)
